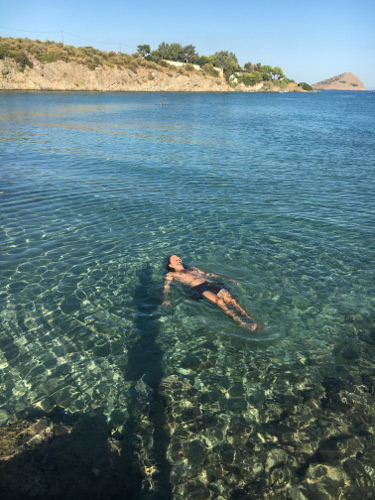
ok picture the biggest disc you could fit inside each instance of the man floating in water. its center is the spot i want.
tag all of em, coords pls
(201, 288)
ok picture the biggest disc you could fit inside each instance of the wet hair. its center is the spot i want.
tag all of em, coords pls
(169, 267)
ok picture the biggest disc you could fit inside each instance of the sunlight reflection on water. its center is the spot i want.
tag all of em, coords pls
(95, 196)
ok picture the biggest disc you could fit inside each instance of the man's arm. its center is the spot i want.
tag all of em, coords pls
(167, 285)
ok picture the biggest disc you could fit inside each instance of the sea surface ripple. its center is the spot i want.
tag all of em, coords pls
(275, 191)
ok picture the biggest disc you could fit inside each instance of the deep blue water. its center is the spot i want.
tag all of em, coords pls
(275, 191)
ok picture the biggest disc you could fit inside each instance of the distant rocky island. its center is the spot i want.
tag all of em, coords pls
(345, 81)
(34, 65)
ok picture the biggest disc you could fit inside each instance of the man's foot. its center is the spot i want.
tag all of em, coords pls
(250, 326)
(262, 327)
(255, 326)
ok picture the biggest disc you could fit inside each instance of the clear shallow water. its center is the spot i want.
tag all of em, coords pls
(275, 191)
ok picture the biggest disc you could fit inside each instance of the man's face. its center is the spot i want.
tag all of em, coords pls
(175, 261)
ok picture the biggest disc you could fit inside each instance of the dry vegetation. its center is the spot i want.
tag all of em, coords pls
(24, 51)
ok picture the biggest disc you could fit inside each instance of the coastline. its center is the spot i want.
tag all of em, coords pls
(72, 76)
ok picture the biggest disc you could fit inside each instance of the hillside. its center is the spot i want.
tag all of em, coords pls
(33, 65)
(345, 81)
(62, 75)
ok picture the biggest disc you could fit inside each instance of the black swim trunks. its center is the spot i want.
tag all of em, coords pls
(196, 292)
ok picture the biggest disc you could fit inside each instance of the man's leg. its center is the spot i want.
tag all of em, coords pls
(229, 299)
(220, 303)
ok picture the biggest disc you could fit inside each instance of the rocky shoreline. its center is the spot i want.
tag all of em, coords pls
(71, 76)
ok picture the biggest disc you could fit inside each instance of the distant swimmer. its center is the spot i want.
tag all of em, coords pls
(201, 287)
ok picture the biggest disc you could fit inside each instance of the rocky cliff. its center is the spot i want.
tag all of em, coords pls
(74, 76)
(345, 81)
(70, 76)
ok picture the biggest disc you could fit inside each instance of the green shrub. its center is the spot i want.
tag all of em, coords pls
(126, 60)
(209, 69)
(202, 60)
(283, 83)
(23, 61)
(305, 86)
(149, 64)
(132, 68)
(4, 51)
(154, 56)
(251, 79)
(45, 58)
(71, 50)
(247, 79)
(97, 60)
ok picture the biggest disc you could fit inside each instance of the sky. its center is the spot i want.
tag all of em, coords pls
(310, 40)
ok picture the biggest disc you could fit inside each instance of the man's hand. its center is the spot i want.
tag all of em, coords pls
(234, 281)
(212, 275)
(166, 303)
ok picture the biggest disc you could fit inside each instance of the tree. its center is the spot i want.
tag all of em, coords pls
(189, 53)
(175, 52)
(232, 66)
(248, 67)
(251, 79)
(267, 69)
(154, 56)
(202, 60)
(267, 73)
(143, 50)
(277, 72)
(163, 50)
(225, 59)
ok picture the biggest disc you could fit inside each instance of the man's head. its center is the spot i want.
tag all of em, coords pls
(174, 263)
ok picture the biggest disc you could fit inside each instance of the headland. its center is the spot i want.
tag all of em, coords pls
(49, 66)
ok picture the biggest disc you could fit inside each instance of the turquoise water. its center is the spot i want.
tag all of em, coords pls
(275, 191)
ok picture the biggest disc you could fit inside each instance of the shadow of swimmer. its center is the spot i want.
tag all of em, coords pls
(81, 455)
(145, 429)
